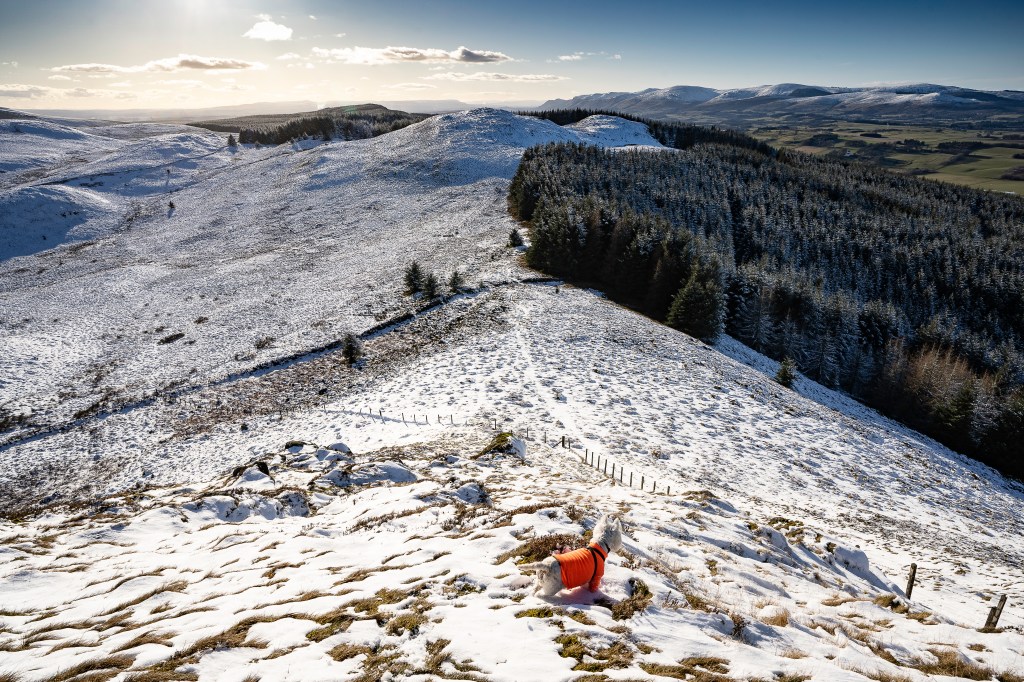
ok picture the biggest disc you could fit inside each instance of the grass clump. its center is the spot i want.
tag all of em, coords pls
(540, 548)
(343, 652)
(100, 669)
(639, 599)
(950, 662)
(407, 622)
(617, 655)
(696, 668)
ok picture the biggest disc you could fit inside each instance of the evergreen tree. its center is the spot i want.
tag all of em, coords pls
(413, 278)
(698, 308)
(231, 141)
(514, 238)
(431, 287)
(352, 349)
(787, 372)
(456, 282)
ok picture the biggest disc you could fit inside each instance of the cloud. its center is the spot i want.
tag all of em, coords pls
(340, 35)
(411, 86)
(579, 56)
(288, 56)
(491, 76)
(182, 61)
(8, 63)
(264, 17)
(268, 30)
(26, 91)
(58, 77)
(397, 55)
(313, 17)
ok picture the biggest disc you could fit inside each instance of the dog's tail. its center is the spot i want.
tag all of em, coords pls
(531, 567)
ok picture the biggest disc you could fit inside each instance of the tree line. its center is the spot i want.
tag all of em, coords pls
(343, 126)
(905, 293)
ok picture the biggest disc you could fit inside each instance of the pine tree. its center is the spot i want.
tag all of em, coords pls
(699, 307)
(456, 282)
(231, 141)
(413, 278)
(515, 239)
(787, 372)
(431, 286)
(352, 349)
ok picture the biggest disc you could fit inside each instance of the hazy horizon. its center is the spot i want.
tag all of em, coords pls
(112, 54)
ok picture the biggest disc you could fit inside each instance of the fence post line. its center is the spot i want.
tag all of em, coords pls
(910, 580)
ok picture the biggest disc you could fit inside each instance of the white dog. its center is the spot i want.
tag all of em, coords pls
(583, 566)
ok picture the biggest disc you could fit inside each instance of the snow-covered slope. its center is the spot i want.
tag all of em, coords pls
(293, 244)
(772, 533)
(772, 528)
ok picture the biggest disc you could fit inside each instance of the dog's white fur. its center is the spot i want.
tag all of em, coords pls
(548, 580)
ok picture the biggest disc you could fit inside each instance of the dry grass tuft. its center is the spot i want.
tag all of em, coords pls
(99, 667)
(778, 619)
(639, 599)
(695, 669)
(540, 548)
(146, 638)
(950, 662)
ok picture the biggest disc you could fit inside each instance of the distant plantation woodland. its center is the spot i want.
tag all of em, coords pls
(344, 123)
(906, 293)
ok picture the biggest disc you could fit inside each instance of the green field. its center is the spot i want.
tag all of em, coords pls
(884, 145)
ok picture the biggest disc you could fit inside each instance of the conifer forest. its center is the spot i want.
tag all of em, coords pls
(904, 293)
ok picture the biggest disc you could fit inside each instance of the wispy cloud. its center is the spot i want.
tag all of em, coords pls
(410, 86)
(268, 30)
(58, 77)
(580, 56)
(313, 17)
(492, 76)
(8, 63)
(289, 56)
(181, 62)
(396, 55)
(26, 91)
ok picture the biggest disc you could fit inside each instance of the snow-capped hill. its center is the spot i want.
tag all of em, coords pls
(612, 131)
(36, 144)
(683, 93)
(918, 102)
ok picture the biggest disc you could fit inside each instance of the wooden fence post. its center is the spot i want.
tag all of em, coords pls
(641, 483)
(606, 467)
(563, 441)
(910, 580)
(630, 479)
(613, 470)
(994, 613)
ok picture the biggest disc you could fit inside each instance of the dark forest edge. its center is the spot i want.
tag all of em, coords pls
(902, 292)
(338, 123)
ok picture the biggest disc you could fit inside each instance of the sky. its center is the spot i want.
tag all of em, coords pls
(90, 54)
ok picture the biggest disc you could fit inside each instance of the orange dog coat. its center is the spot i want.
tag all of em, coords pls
(582, 566)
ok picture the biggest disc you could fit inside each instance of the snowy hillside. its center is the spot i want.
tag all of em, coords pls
(308, 242)
(777, 541)
(307, 520)
(920, 103)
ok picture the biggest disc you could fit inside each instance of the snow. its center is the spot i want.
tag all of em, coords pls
(794, 512)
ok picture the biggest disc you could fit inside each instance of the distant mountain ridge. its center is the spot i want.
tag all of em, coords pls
(922, 103)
